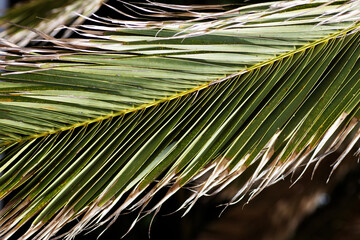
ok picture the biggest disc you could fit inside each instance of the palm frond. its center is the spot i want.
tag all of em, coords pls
(247, 94)
(46, 16)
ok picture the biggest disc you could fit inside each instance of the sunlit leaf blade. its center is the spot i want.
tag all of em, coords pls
(97, 125)
(46, 16)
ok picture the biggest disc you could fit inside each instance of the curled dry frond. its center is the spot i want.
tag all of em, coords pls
(98, 125)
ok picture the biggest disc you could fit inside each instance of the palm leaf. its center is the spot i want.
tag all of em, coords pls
(98, 125)
(44, 15)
